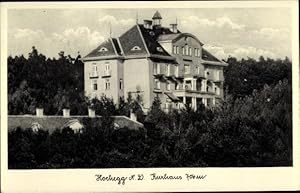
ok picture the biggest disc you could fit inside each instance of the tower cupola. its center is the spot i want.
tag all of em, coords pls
(156, 19)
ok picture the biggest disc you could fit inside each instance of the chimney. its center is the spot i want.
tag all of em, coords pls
(147, 24)
(39, 112)
(173, 27)
(92, 112)
(66, 112)
(133, 116)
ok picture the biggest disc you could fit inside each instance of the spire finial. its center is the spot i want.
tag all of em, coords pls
(110, 31)
(137, 17)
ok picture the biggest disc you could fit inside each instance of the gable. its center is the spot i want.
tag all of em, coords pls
(208, 56)
(151, 40)
(132, 42)
(187, 37)
(105, 49)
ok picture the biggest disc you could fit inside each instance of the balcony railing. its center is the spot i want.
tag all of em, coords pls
(106, 73)
(187, 87)
(94, 74)
(218, 78)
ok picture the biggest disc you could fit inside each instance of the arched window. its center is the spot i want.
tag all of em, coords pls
(186, 49)
(135, 48)
(103, 49)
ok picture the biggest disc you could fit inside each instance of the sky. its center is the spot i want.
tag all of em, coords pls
(238, 32)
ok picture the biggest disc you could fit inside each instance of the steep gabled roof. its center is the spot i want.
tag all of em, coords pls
(139, 41)
(132, 43)
(209, 59)
(150, 37)
(107, 48)
(208, 56)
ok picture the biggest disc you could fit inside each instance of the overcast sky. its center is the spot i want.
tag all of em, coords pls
(239, 32)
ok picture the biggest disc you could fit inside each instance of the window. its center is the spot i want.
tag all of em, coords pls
(186, 69)
(157, 84)
(95, 85)
(196, 52)
(94, 67)
(157, 68)
(135, 48)
(168, 69)
(190, 51)
(186, 49)
(159, 49)
(107, 84)
(188, 85)
(183, 50)
(175, 49)
(217, 75)
(199, 54)
(176, 71)
(107, 66)
(217, 90)
(121, 84)
(168, 87)
(94, 70)
(103, 49)
(176, 86)
(154, 68)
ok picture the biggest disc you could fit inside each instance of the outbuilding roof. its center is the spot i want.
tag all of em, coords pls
(51, 123)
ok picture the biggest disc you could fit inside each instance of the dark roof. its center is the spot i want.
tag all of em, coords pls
(116, 44)
(208, 56)
(141, 41)
(130, 39)
(51, 123)
(164, 37)
(150, 36)
(110, 45)
(156, 15)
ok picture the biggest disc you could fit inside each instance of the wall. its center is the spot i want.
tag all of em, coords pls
(193, 60)
(163, 84)
(115, 74)
(137, 77)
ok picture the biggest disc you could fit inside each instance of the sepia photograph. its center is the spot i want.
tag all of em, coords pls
(149, 87)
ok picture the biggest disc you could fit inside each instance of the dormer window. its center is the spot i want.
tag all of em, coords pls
(135, 48)
(159, 49)
(103, 49)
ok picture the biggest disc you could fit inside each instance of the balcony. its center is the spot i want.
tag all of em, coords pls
(106, 73)
(218, 79)
(187, 87)
(94, 74)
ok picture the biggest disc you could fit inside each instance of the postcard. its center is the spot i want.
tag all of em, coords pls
(171, 96)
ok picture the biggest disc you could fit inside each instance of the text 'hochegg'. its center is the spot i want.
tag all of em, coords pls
(121, 180)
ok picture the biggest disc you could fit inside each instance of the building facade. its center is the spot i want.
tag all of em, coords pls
(150, 61)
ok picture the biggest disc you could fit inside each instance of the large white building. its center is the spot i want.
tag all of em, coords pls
(151, 61)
